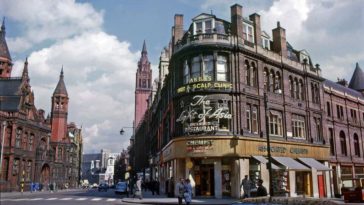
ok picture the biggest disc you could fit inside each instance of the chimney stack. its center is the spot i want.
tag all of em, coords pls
(257, 29)
(237, 21)
(279, 40)
(178, 27)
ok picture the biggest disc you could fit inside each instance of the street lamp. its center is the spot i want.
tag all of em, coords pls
(2, 148)
(279, 91)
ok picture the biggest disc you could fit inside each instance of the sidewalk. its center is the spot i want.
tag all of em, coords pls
(148, 198)
(27, 193)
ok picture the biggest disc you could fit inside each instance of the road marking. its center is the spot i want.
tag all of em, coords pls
(36, 199)
(49, 199)
(96, 199)
(81, 199)
(66, 199)
(111, 200)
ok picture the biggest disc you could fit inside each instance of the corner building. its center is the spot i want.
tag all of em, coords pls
(208, 120)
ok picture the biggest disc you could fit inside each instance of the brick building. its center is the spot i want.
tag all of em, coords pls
(208, 120)
(35, 148)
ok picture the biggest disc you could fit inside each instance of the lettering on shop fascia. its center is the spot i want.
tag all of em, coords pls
(199, 145)
(293, 150)
(200, 116)
(205, 86)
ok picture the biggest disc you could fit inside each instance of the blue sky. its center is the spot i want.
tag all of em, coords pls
(99, 42)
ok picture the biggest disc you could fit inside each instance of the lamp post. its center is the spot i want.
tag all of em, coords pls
(278, 91)
(2, 149)
(268, 144)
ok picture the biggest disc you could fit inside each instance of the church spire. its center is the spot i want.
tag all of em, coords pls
(144, 50)
(357, 81)
(5, 58)
(3, 27)
(25, 70)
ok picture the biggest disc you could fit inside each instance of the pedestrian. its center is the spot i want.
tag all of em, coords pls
(31, 187)
(261, 191)
(51, 187)
(138, 189)
(187, 192)
(180, 187)
(246, 184)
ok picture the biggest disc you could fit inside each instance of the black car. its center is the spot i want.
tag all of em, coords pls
(103, 187)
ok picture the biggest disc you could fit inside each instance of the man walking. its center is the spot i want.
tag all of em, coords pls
(180, 190)
(246, 184)
(261, 191)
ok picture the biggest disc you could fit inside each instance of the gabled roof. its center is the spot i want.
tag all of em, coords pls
(341, 88)
(9, 96)
(265, 34)
(357, 81)
(4, 51)
(203, 16)
(61, 87)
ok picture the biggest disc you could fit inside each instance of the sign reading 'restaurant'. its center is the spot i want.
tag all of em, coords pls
(203, 116)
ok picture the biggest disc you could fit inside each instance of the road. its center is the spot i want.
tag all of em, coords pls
(71, 197)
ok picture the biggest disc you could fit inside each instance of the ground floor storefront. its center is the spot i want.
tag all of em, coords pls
(216, 166)
(346, 176)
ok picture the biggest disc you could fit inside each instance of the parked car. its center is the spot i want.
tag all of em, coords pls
(122, 188)
(103, 187)
(94, 186)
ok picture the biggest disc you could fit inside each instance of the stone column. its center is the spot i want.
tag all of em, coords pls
(217, 179)
(315, 190)
(328, 182)
(235, 179)
(292, 183)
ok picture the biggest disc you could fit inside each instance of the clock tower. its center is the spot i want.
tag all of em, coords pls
(59, 111)
(143, 86)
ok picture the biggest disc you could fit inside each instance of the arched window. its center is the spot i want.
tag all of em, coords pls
(331, 139)
(343, 143)
(296, 89)
(313, 93)
(266, 79)
(291, 86)
(247, 73)
(300, 87)
(253, 77)
(271, 81)
(328, 108)
(356, 145)
(278, 81)
(18, 138)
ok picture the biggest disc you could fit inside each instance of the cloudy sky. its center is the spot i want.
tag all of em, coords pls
(99, 43)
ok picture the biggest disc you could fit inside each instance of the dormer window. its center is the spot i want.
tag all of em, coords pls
(248, 32)
(204, 26)
(265, 43)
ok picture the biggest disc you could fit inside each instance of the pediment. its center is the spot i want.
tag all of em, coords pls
(203, 16)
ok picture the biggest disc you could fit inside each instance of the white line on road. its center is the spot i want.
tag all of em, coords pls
(66, 199)
(36, 199)
(49, 199)
(96, 199)
(81, 199)
(111, 200)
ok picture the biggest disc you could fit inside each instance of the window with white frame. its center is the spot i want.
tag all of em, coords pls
(204, 26)
(298, 127)
(265, 43)
(275, 123)
(221, 68)
(248, 32)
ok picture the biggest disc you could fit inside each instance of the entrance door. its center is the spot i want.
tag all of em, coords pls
(205, 180)
(321, 185)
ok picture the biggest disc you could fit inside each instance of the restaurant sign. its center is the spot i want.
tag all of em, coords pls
(203, 116)
(199, 145)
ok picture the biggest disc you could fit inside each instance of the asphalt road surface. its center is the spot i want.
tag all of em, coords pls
(69, 198)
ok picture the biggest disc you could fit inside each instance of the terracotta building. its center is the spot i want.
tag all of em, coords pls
(34, 148)
(229, 85)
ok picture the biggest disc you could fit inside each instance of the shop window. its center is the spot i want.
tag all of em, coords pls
(343, 143)
(356, 145)
(298, 127)
(275, 123)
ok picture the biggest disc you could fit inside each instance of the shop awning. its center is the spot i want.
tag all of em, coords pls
(263, 160)
(313, 163)
(291, 164)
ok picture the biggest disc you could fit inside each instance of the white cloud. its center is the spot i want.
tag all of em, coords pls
(49, 20)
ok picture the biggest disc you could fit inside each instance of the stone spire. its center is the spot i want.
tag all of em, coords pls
(25, 74)
(357, 81)
(144, 50)
(4, 51)
(61, 87)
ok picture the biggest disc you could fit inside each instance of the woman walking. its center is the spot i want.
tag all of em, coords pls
(188, 192)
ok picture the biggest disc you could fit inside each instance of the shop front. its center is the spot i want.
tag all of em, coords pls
(217, 164)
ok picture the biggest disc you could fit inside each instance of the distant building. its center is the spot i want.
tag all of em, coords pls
(36, 149)
(98, 168)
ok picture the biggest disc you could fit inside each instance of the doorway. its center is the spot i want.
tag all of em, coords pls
(204, 177)
(321, 186)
